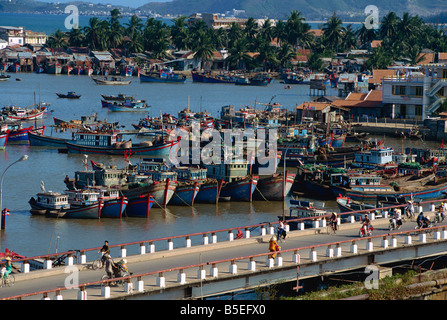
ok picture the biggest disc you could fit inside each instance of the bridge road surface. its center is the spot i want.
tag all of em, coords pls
(50, 279)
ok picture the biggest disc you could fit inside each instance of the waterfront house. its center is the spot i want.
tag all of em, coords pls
(12, 35)
(322, 112)
(375, 81)
(102, 60)
(362, 104)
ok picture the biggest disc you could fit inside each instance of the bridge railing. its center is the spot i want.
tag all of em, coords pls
(205, 238)
(273, 259)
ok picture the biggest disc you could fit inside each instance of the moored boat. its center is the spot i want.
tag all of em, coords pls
(40, 140)
(3, 139)
(162, 76)
(274, 188)
(111, 80)
(14, 113)
(69, 95)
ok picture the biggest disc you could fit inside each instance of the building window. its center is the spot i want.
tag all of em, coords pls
(399, 90)
(419, 92)
(418, 110)
(444, 73)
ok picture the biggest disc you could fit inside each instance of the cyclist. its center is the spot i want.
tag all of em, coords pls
(105, 250)
(333, 221)
(7, 269)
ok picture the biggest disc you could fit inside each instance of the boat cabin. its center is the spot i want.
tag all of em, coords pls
(53, 200)
(97, 138)
(227, 171)
(104, 177)
(354, 179)
(305, 209)
(374, 157)
(82, 197)
(190, 173)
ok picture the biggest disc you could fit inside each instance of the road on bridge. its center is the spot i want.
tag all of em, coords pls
(191, 256)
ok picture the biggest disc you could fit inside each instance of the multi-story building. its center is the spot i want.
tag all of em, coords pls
(18, 36)
(414, 94)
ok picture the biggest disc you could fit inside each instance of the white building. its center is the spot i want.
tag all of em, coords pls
(414, 94)
(13, 35)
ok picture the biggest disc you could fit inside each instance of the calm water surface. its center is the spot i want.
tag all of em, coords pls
(32, 235)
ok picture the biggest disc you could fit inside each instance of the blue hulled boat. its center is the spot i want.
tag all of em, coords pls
(164, 76)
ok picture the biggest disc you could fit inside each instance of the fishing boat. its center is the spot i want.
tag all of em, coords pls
(125, 106)
(3, 139)
(110, 142)
(18, 134)
(240, 189)
(346, 204)
(118, 97)
(209, 191)
(426, 185)
(140, 206)
(113, 203)
(4, 77)
(73, 204)
(111, 80)
(54, 68)
(162, 76)
(208, 77)
(89, 120)
(257, 80)
(14, 113)
(189, 181)
(274, 188)
(40, 140)
(304, 209)
(69, 95)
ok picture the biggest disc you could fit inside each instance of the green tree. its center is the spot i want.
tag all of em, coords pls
(238, 56)
(179, 33)
(203, 49)
(75, 37)
(315, 63)
(333, 33)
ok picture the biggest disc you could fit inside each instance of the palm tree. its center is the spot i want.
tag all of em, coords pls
(250, 30)
(203, 48)
(279, 31)
(76, 37)
(388, 25)
(285, 54)
(59, 39)
(333, 33)
(380, 59)
(293, 27)
(350, 38)
(179, 33)
(267, 31)
(95, 33)
(315, 63)
(414, 55)
(234, 33)
(238, 54)
(366, 35)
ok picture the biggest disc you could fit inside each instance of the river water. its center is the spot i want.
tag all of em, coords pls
(33, 235)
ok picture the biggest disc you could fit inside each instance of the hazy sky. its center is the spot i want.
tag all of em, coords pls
(127, 3)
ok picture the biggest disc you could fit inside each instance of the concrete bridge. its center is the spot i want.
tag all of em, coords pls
(215, 262)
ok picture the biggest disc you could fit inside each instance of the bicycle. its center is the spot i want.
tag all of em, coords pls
(97, 264)
(8, 281)
(332, 227)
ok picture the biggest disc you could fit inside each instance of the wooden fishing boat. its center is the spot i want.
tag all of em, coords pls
(69, 95)
(13, 113)
(40, 140)
(111, 80)
(125, 106)
(109, 142)
(118, 97)
(163, 77)
(3, 139)
(17, 134)
(304, 209)
(274, 188)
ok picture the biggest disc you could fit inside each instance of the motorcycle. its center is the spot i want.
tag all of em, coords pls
(393, 225)
(366, 231)
(439, 217)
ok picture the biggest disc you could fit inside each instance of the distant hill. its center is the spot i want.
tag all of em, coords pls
(352, 10)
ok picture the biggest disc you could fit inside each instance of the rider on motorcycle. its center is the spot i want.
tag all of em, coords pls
(420, 219)
(366, 222)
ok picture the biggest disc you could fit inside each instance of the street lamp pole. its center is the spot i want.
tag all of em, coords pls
(23, 158)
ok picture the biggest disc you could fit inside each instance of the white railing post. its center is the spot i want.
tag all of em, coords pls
(105, 291)
(329, 252)
(25, 267)
(353, 247)
(83, 258)
(123, 252)
(181, 277)
(296, 257)
(161, 280)
(230, 236)
(213, 238)
(263, 231)
(384, 242)
(233, 268)
(82, 294)
(252, 265)
(205, 239)
(247, 233)
(188, 242)
(278, 260)
(201, 273)
(423, 237)
(139, 285)
(338, 250)
(142, 248)
(151, 247)
(393, 242)
(369, 245)
(170, 244)
(313, 255)
(214, 272)
(408, 239)
(48, 264)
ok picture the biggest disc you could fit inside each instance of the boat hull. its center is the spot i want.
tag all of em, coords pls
(38, 115)
(92, 211)
(114, 208)
(209, 193)
(240, 190)
(429, 193)
(158, 151)
(272, 188)
(146, 78)
(140, 206)
(3, 139)
(161, 192)
(36, 140)
(22, 135)
(185, 195)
